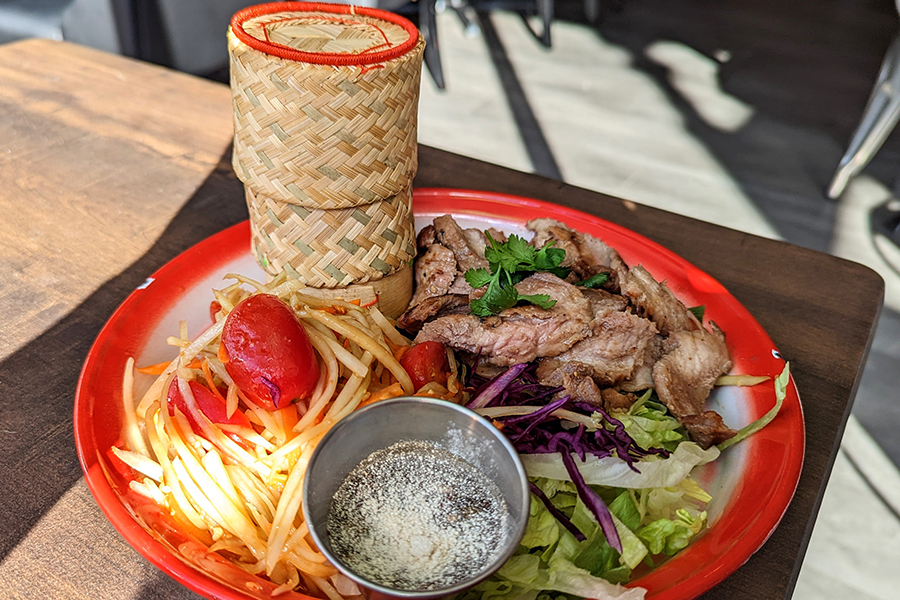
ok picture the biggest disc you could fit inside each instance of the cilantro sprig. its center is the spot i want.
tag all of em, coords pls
(594, 281)
(509, 263)
(698, 311)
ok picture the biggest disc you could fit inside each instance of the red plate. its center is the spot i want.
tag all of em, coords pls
(752, 483)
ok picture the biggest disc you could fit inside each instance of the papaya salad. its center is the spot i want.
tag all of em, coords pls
(223, 435)
(595, 371)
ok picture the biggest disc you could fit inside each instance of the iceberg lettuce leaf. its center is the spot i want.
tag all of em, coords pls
(614, 472)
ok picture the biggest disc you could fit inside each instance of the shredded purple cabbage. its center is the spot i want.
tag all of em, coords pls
(594, 502)
(562, 518)
(540, 432)
(489, 393)
(274, 390)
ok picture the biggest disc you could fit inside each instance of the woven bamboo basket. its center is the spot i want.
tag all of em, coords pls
(325, 102)
(333, 247)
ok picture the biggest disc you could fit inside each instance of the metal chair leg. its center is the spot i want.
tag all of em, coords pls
(592, 11)
(428, 25)
(879, 118)
(545, 11)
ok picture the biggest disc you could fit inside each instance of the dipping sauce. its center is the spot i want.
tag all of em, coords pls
(414, 516)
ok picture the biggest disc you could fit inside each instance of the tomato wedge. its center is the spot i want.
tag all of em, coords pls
(208, 403)
(214, 308)
(426, 362)
(267, 352)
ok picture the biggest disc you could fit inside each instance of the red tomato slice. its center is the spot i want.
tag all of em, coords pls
(426, 362)
(214, 308)
(208, 403)
(268, 353)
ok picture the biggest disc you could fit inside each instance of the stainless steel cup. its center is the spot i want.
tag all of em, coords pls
(448, 425)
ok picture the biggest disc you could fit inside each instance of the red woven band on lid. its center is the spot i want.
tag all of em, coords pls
(324, 58)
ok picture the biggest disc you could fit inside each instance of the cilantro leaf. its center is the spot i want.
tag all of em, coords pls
(509, 263)
(698, 311)
(542, 300)
(494, 300)
(594, 281)
(548, 258)
(478, 277)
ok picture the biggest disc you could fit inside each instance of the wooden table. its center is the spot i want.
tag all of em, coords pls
(111, 167)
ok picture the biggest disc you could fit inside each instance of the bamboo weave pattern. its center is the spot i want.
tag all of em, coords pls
(333, 247)
(325, 136)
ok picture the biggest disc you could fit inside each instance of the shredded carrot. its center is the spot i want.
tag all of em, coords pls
(391, 391)
(354, 302)
(371, 304)
(397, 350)
(288, 417)
(400, 351)
(156, 369)
(209, 381)
(223, 354)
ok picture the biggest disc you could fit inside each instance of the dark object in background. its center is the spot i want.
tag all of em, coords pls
(878, 121)
(885, 220)
(187, 35)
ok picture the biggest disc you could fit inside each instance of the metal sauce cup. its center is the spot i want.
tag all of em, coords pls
(447, 425)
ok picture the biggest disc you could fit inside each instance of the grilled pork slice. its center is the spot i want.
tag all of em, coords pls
(616, 347)
(657, 302)
(585, 254)
(522, 333)
(707, 428)
(618, 344)
(642, 377)
(435, 272)
(684, 376)
(575, 377)
(426, 237)
(433, 308)
(576, 380)
(461, 286)
(603, 302)
(451, 235)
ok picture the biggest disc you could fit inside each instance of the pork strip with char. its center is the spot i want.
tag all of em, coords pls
(616, 347)
(576, 380)
(461, 287)
(657, 302)
(522, 333)
(476, 240)
(642, 378)
(550, 230)
(574, 377)
(426, 237)
(603, 302)
(707, 428)
(685, 375)
(585, 254)
(433, 308)
(451, 235)
(435, 272)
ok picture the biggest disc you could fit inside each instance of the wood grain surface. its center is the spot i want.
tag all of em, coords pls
(111, 167)
(97, 154)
